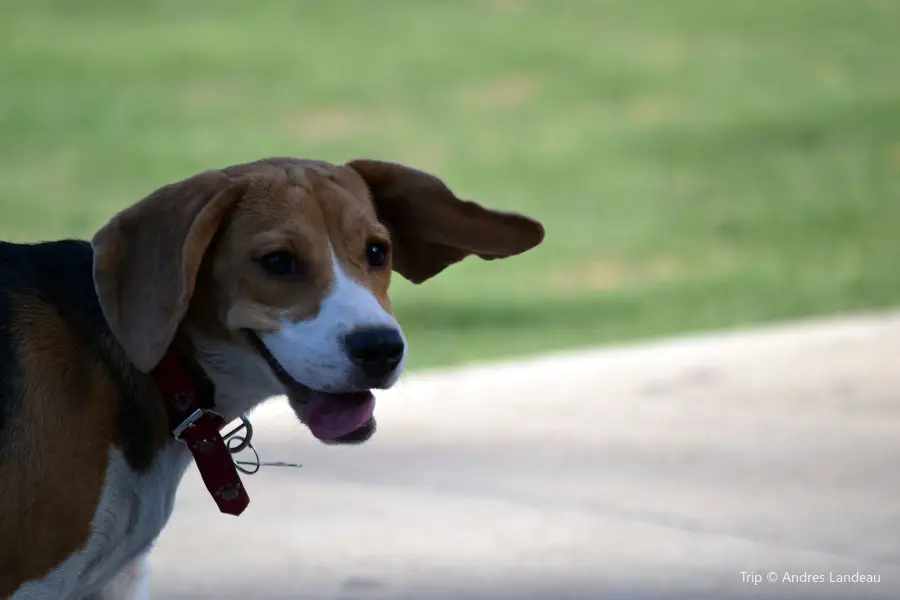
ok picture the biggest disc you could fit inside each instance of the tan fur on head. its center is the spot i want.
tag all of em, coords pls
(214, 227)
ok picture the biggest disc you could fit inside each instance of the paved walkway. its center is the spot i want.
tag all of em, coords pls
(657, 471)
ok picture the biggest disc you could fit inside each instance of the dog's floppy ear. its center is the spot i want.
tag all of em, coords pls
(432, 228)
(147, 257)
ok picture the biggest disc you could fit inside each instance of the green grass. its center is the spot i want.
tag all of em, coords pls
(697, 163)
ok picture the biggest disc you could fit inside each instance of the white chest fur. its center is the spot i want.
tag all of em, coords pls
(133, 510)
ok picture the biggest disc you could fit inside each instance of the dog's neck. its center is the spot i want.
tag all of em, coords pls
(242, 379)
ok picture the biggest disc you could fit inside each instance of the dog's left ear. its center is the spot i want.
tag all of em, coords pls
(146, 261)
(432, 229)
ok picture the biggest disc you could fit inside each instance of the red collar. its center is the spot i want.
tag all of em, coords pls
(198, 427)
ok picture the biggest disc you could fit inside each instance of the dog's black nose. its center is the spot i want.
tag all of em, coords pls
(377, 350)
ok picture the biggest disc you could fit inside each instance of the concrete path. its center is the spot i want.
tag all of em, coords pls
(659, 471)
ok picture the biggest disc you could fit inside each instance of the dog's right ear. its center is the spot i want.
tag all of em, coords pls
(147, 257)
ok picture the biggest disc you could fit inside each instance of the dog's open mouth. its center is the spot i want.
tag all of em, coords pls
(338, 418)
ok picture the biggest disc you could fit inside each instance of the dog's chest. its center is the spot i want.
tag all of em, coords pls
(133, 509)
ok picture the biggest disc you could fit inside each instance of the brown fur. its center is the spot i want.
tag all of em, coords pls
(432, 228)
(55, 463)
(146, 261)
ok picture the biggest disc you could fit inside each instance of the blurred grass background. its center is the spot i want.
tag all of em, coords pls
(697, 163)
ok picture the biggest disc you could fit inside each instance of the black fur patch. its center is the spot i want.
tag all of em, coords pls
(9, 400)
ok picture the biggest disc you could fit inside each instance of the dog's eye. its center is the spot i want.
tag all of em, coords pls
(377, 254)
(281, 264)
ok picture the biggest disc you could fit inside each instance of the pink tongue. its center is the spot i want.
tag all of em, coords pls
(331, 416)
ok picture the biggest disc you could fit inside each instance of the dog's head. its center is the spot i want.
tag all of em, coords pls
(291, 260)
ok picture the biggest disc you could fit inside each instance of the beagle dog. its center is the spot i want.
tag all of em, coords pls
(123, 357)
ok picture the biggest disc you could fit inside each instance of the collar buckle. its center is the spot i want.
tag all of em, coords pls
(178, 431)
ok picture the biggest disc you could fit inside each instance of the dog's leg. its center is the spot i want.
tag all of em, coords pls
(131, 583)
